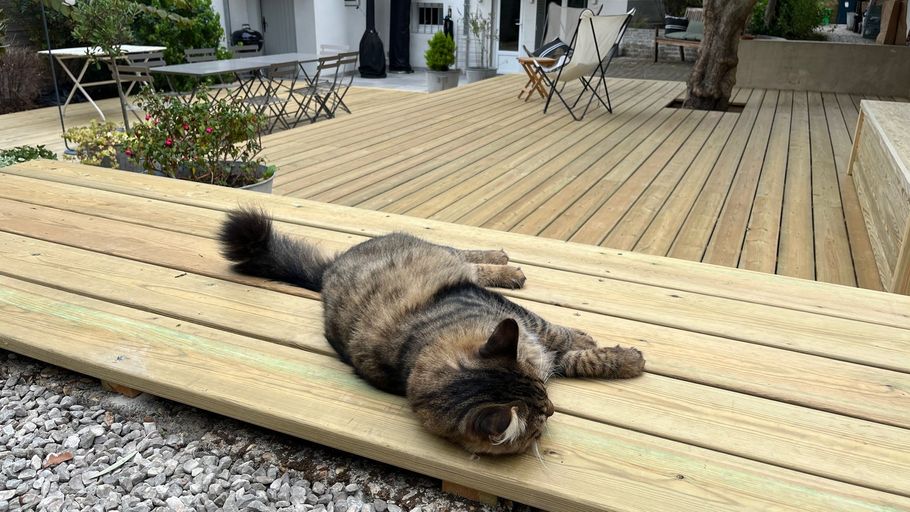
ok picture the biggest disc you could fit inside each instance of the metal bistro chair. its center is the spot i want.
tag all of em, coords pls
(316, 96)
(279, 83)
(344, 77)
(194, 55)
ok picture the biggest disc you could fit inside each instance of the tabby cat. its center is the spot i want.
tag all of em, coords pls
(413, 318)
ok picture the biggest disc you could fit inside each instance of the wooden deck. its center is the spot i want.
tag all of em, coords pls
(42, 126)
(765, 189)
(761, 393)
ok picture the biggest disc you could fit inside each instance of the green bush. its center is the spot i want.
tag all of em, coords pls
(441, 53)
(21, 154)
(796, 19)
(203, 30)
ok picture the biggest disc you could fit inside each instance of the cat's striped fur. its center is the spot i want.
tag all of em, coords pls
(413, 318)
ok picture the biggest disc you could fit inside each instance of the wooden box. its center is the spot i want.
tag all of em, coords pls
(880, 165)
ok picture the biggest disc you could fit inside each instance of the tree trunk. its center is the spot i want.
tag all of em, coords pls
(714, 73)
(771, 12)
(116, 72)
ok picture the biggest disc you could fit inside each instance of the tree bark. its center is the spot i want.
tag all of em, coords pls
(771, 12)
(116, 73)
(714, 73)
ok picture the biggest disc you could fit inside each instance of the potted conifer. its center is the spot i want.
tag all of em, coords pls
(439, 56)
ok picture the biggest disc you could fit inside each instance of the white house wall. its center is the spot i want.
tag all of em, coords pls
(305, 23)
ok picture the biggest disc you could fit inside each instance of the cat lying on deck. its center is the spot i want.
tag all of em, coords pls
(413, 318)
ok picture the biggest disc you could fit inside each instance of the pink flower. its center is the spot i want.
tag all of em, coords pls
(129, 152)
(169, 142)
(148, 116)
(186, 127)
(209, 130)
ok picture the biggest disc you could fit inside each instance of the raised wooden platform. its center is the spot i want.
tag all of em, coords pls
(765, 189)
(761, 393)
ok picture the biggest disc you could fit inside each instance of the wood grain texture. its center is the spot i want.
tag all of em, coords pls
(600, 467)
(881, 172)
(765, 325)
(619, 265)
(748, 404)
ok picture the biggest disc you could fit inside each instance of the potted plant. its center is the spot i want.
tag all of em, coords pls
(481, 29)
(100, 144)
(439, 56)
(209, 140)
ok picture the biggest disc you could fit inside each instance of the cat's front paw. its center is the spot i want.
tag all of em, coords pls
(514, 278)
(496, 257)
(628, 362)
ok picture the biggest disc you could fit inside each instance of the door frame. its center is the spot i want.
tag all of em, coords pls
(293, 17)
(507, 61)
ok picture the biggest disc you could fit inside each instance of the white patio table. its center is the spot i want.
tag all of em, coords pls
(85, 52)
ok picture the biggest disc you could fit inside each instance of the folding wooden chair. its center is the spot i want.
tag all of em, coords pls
(594, 44)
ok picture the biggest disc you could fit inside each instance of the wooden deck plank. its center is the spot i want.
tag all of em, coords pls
(326, 152)
(796, 250)
(629, 229)
(630, 471)
(483, 149)
(498, 167)
(621, 192)
(832, 247)
(563, 201)
(830, 445)
(763, 233)
(725, 245)
(764, 325)
(866, 271)
(480, 206)
(659, 237)
(116, 238)
(534, 154)
(571, 206)
(714, 281)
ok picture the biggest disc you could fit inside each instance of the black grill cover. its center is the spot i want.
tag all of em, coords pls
(372, 53)
(399, 36)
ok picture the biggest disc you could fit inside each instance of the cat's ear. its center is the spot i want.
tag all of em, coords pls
(503, 343)
(492, 422)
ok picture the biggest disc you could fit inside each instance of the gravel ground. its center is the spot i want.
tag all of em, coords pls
(66, 444)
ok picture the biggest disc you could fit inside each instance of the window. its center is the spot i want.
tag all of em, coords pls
(429, 17)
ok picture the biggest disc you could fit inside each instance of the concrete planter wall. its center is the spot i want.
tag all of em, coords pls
(125, 163)
(825, 67)
(477, 74)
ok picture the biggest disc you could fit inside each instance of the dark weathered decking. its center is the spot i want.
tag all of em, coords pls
(765, 189)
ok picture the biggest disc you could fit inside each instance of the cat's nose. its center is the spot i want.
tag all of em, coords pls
(550, 409)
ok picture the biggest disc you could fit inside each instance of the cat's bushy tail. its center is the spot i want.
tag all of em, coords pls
(249, 240)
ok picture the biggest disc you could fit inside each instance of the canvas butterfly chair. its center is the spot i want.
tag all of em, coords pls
(559, 27)
(595, 43)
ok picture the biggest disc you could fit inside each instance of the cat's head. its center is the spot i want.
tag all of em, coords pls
(491, 400)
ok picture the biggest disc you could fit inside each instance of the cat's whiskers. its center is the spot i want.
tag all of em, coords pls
(535, 449)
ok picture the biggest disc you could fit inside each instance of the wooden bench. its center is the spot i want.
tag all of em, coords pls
(696, 14)
(761, 392)
(880, 165)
